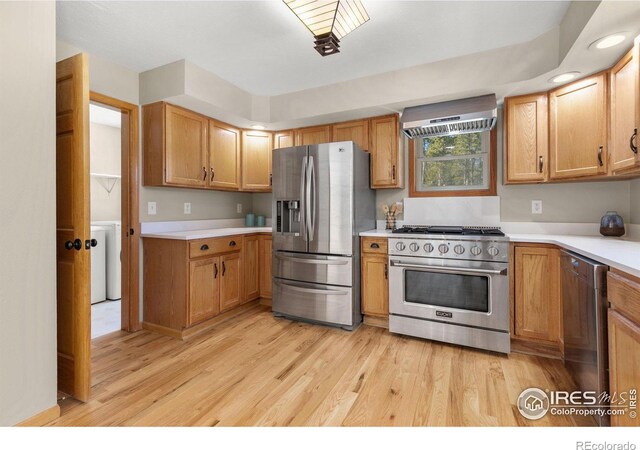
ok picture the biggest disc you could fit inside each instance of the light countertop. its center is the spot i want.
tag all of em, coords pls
(204, 234)
(620, 253)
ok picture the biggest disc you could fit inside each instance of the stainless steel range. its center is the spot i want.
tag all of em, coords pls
(450, 284)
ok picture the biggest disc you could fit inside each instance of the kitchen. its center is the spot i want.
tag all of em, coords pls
(472, 226)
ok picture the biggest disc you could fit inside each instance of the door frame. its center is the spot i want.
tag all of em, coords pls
(130, 256)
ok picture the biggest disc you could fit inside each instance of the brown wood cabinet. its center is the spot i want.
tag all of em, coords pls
(256, 160)
(578, 129)
(537, 305)
(224, 156)
(624, 339)
(251, 259)
(313, 135)
(356, 131)
(204, 289)
(265, 250)
(383, 146)
(623, 80)
(284, 139)
(526, 140)
(230, 280)
(375, 278)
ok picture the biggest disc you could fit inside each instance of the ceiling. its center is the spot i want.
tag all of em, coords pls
(262, 48)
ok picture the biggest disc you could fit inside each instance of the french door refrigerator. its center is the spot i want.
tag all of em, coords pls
(321, 202)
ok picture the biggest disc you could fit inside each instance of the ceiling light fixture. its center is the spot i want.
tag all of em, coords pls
(564, 77)
(608, 41)
(258, 127)
(329, 20)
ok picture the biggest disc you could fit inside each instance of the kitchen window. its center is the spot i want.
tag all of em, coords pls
(454, 165)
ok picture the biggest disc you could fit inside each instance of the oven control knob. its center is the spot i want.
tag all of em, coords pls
(459, 249)
(414, 247)
(475, 250)
(443, 248)
(428, 248)
(493, 251)
(400, 246)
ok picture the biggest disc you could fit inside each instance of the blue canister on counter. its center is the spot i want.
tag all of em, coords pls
(249, 220)
(261, 221)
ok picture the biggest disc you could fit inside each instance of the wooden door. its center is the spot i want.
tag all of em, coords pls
(204, 289)
(623, 81)
(356, 131)
(578, 129)
(256, 161)
(384, 152)
(230, 281)
(537, 293)
(526, 138)
(313, 135)
(375, 285)
(73, 227)
(284, 139)
(624, 361)
(265, 266)
(185, 147)
(250, 261)
(224, 156)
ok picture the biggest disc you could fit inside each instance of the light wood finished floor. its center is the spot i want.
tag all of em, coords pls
(257, 370)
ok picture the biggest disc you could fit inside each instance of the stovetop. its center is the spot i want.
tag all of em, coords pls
(449, 230)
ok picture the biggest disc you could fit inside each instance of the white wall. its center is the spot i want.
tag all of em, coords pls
(27, 210)
(105, 150)
(635, 201)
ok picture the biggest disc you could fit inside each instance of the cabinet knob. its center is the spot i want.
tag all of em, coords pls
(215, 270)
(374, 245)
(541, 164)
(204, 247)
(634, 136)
(224, 268)
(600, 161)
(213, 174)
(204, 176)
(232, 244)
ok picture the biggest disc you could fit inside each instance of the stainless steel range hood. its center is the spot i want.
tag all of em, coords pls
(470, 115)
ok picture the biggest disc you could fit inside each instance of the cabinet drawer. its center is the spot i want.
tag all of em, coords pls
(374, 245)
(624, 295)
(214, 246)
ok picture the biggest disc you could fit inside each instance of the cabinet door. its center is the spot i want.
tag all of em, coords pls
(250, 261)
(356, 131)
(256, 161)
(624, 361)
(375, 285)
(623, 113)
(224, 156)
(265, 266)
(384, 152)
(185, 147)
(313, 135)
(284, 139)
(230, 281)
(204, 301)
(526, 138)
(537, 293)
(578, 129)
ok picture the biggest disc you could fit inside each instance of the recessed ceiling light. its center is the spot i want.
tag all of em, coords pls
(564, 77)
(608, 41)
(257, 127)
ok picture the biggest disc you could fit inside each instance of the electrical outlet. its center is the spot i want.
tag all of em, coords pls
(536, 206)
(151, 208)
(239, 208)
(187, 208)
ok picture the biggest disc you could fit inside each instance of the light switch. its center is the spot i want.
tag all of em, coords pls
(187, 208)
(239, 208)
(536, 206)
(151, 208)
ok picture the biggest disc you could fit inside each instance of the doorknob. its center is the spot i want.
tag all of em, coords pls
(77, 244)
(94, 242)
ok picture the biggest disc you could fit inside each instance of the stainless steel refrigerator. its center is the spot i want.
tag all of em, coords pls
(321, 201)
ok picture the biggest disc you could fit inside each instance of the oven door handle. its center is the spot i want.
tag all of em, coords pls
(448, 269)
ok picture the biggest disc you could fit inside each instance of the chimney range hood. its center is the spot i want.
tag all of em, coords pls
(469, 115)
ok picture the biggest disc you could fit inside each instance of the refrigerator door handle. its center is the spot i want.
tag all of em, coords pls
(303, 203)
(311, 198)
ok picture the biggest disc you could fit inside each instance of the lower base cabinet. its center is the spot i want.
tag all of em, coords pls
(375, 279)
(204, 289)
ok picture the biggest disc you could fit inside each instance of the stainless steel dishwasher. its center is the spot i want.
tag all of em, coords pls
(584, 307)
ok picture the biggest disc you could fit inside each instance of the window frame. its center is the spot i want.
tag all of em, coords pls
(491, 190)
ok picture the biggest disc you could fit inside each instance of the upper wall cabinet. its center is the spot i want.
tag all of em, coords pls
(224, 156)
(313, 135)
(256, 160)
(284, 139)
(578, 129)
(526, 140)
(624, 98)
(175, 146)
(385, 162)
(356, 131)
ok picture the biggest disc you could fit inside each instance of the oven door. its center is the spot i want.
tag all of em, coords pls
(472, 293)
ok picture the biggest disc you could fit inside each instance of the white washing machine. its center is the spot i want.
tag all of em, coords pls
(98, 266)
(113, 233)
